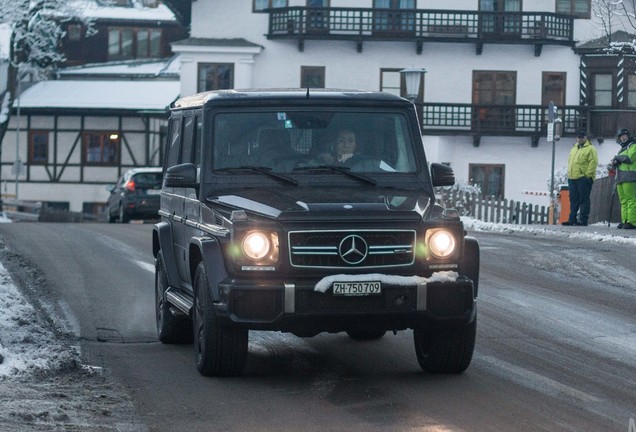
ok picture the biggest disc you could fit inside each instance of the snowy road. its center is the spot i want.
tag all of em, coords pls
(556, 347)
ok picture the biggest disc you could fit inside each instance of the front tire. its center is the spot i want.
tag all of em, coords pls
(219, 350)
(172, 328)
(445, 349)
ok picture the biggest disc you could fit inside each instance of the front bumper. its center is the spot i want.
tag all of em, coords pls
(298, 308)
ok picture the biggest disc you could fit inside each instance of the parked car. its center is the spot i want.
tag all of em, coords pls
(135, 196)
(272, 219)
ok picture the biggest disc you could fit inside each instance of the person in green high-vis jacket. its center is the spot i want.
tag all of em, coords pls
(582, 163)
(625, 164)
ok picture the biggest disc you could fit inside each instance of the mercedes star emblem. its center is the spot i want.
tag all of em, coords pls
(353, 249)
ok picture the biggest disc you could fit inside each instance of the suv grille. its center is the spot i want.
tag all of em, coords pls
(351, 249)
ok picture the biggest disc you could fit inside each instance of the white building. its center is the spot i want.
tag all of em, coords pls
(492, 67)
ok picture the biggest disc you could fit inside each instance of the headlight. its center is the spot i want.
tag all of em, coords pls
(256, 245)
(441, 243)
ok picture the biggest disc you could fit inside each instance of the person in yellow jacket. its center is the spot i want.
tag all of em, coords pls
(625, 164)
(582, 164)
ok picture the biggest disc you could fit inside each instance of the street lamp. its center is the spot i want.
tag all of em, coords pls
(554, 134)
(412, 79)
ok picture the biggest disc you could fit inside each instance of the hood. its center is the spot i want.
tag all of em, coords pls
(327, 203)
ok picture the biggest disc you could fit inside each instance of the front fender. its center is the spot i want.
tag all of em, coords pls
(208, 251)
(162, 241)
(470, 261)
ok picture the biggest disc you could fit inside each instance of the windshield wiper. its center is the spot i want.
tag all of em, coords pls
(261, 169)
(344, 170)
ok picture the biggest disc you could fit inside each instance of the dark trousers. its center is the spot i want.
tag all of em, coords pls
(580, 190)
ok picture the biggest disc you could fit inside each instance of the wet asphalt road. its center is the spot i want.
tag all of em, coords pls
(556, 344)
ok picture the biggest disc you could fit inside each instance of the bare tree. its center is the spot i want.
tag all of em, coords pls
(37, 29)
(615, 15)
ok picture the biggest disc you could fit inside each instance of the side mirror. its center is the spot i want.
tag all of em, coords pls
(442, 175)
(110, 188)
(181, 176)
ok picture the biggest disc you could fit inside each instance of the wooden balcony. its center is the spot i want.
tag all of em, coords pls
(520, 120)
(420, 26)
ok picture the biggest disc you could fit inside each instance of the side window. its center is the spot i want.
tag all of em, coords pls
(198, 121)
(188, 133)
(174, 142)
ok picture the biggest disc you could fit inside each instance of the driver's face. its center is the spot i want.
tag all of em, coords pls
(346, 143)
(623, 137)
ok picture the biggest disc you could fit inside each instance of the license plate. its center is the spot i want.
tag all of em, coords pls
(357, 288)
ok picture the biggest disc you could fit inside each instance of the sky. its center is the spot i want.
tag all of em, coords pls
(27, 346)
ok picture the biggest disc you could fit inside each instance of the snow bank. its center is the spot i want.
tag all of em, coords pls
(26, 346)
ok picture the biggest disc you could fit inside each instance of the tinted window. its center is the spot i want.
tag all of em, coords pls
(174, 142)
(148, 180)
(313, 138)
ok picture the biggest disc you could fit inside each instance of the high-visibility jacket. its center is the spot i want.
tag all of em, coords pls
(626, 171)
(582, 161)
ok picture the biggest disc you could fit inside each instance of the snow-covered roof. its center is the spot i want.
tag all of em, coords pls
(149, 68)
(91, 94)
(138, 12)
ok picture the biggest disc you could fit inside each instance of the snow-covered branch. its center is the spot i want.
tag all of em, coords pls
(38, 28)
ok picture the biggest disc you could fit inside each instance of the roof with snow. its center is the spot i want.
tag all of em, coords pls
(605, 41)
(104, 95)
(137, 12)
(129, 68)
(215, 42)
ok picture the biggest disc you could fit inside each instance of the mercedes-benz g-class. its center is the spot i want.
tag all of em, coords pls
(308, 211)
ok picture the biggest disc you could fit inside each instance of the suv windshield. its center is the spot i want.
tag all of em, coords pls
(293, 140)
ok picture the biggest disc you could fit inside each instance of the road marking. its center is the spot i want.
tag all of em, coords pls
(146, 266)
(536, 381)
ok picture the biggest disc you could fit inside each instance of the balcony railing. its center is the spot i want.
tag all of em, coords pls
(520, 120)
(420, 25)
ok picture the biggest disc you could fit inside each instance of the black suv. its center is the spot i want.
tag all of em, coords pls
(308, 211)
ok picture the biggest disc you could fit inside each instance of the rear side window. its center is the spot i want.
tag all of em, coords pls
(174, 143)
(148, 180)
